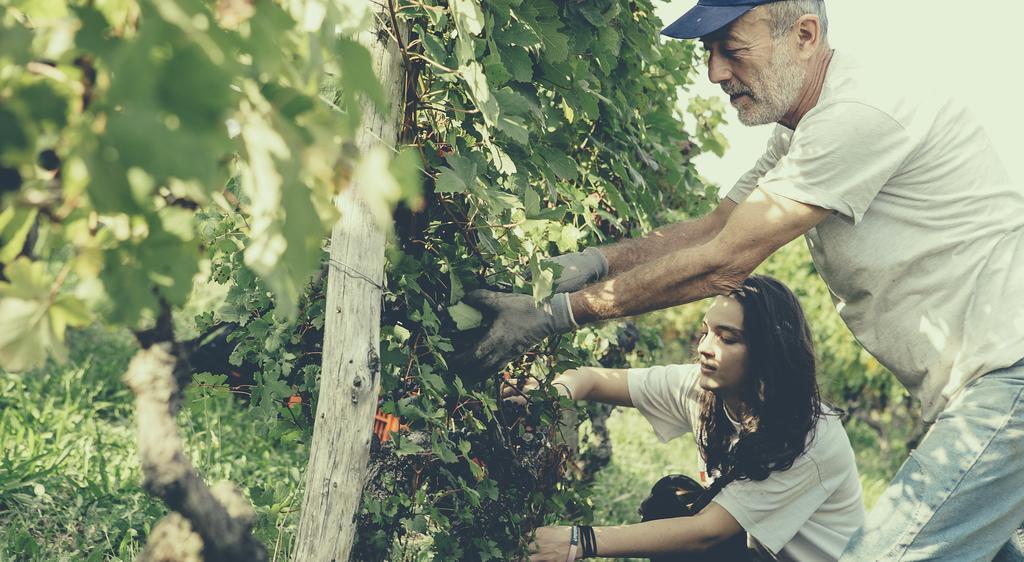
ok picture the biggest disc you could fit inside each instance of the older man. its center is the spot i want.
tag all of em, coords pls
(912, 221)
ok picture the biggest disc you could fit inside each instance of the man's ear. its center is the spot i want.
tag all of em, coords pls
(809, 33)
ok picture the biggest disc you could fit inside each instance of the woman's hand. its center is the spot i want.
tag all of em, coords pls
(552, 545)
(513, 391)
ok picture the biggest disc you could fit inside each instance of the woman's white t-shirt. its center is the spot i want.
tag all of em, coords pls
(805, 513)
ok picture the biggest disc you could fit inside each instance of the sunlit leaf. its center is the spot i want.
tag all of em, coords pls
(466, 317)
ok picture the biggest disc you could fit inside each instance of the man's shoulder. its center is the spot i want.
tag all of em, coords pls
(875, 87)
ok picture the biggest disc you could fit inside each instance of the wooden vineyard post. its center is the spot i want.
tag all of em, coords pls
(350, 376)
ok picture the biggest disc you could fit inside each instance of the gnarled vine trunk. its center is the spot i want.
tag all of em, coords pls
(207, 523)
(350, 379)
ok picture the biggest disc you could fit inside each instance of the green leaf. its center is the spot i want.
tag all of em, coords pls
(543, 277)
(15, 224)
(568, 239)
(457, 290)
(284, 249)
(548, 28)
(443, 452)
(518, 63)
(357, 73)
(32, 318)
(610, 40)
(593, 15)
(466, 317)
(473, 74)
(458, 178)
(15, 141)
(495, 69)
(25, 335)
(512, 106)
(15, 43)
(45, 105)
(560, 163)
(469, 21)
(434, 49)
(188, 71)
(26, 280)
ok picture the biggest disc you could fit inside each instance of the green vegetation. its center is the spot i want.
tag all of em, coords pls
(536, 127)
(69, 472)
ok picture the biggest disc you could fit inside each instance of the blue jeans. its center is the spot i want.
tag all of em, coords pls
(960, 495)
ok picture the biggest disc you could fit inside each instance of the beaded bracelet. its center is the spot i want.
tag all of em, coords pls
(574, 541)
(588, 541)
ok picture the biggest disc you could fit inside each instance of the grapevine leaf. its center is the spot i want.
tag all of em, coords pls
(458, 178)
(14, 43)
(354, 16)
(543, 278)
(457, 291)
(45, 105)
(593, 15)
(495, 69)
(32, 319)
(357, 73)
(15, 142)
(469, 21)
(466, 317)
(15, 224)
(26, 280)
(560, 163)
(518, 62)
(610, 39)
(433, 48)
(468, 15)
(407, 446)
(542, 18)
(188, 71)
(25, 335)
(568, 239)
(473, 74)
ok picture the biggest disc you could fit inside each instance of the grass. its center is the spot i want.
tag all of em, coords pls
(70, 478)
(69, 474)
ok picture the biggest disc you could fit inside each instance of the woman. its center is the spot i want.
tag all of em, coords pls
(752, 403)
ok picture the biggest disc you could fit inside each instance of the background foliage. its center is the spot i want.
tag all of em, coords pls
(538, 128)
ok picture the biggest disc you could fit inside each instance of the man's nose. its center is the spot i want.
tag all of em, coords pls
(718, 70)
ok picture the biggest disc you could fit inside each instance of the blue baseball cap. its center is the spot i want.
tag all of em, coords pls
(709, 16)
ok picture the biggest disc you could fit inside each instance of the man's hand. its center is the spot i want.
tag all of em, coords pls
(579, 269)
(517, 324)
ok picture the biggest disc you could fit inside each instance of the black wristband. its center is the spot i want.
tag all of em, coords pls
(588, 541)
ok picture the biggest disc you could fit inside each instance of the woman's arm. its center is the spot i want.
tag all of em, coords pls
(610, 386)
(644, 540)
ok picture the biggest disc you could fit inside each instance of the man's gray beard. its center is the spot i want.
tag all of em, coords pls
(776, 89)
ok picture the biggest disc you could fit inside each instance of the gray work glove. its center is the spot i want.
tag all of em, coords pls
(579, 269)
(517, 324)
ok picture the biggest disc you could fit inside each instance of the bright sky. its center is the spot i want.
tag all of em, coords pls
(972, 48)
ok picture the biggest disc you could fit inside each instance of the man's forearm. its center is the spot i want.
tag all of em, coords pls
(628, 254)
(683, 276)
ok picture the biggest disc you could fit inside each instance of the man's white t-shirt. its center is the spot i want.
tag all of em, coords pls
(924, 251)
(806, 513)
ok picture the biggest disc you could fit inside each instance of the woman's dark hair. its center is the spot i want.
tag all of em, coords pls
(779, 390)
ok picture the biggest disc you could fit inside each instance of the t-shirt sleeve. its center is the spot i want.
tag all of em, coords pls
(667, 397)
(777, 143)
(775, 509)
(840, 158)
